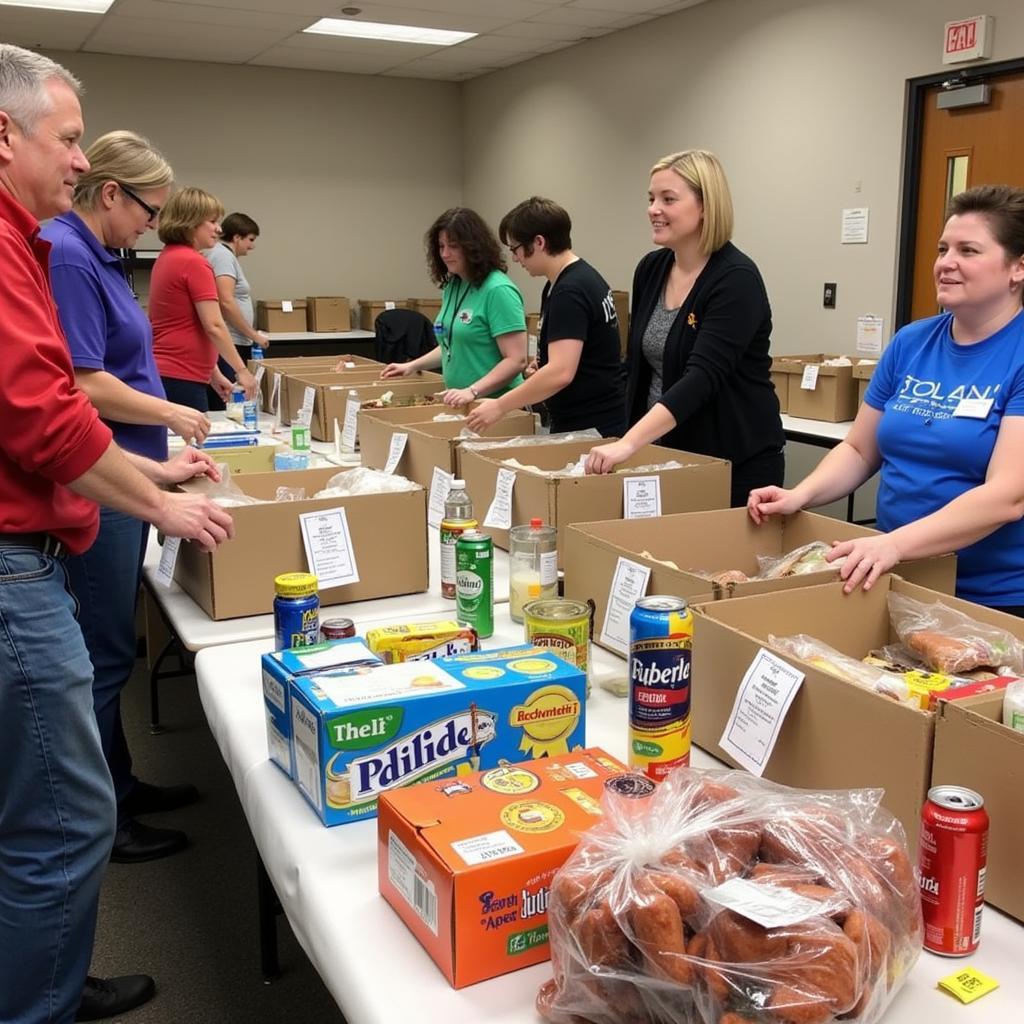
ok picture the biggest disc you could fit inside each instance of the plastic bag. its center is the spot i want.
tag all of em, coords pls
(949, 641)
(363, 480)
(1013, 706)
(652, 917)
(227, 493)
(808, 558)
(290, 494)
(527, 440)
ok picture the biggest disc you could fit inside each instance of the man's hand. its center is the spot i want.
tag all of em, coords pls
(187, 465)
(189, 424)
(194, 517)
(247, 382)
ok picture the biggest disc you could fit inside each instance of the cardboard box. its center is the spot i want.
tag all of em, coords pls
(834, 397)
(357, 737)
(468, 867)
(974, 749)
(429, 444)
(837, 735)
(389, 544)
(702, 483)
(862, 372)
(301, 366)
(293, 385)
(328, 313)
(370, 309)
(430, 308)
(272, 317)
(780, 381)
(621, 300)
(256, 458)
(279, 669)
(712, 542)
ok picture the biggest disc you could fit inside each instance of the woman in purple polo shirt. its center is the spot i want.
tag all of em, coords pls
(111, 345)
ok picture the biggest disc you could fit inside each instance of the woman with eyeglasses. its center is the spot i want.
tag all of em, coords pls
(184, 306)
(481, 328)
(110, 340)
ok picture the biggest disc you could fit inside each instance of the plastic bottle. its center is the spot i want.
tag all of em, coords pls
(534, 565)
(233, 406)
(257, 352)
(458, 517)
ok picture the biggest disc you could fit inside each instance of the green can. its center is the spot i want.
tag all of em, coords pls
(474, 581)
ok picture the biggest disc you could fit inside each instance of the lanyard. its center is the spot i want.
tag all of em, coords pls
(459, 299)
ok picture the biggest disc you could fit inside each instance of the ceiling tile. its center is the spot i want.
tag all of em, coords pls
(537, 30)
(385, 48)
(203, 14)
(56, 30)
(145, 37)
(578, 17)
(623, 6)
(322, 60)
(415, 15)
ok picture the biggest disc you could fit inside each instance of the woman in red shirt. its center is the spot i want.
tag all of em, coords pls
(188, 329)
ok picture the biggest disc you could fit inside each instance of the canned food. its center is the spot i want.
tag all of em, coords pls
(474, 581)
(562, 625)
(296, 610)
(337, 629)
(953, 851)
(660, 644)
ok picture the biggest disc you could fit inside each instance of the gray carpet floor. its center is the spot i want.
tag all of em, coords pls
(190, 920)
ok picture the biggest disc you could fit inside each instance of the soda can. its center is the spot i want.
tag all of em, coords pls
(474, 581)
(337, 629)
(660, 648)
(952, 855)
(296, 610)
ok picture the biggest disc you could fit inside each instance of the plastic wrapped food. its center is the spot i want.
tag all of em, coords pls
(724, 899)
(808, 558)
(576, 468)
(363, 480)
(949, 641)
(528, 440)
(290, 494)
(227, 493)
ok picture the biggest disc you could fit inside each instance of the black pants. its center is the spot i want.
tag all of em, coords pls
(760, 471)
(186, 392)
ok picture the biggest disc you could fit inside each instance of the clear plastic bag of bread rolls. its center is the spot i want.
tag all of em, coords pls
(719, 898)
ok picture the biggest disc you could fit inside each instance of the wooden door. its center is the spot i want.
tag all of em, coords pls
(959, 148)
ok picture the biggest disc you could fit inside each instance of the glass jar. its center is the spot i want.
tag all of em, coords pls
(533, 571)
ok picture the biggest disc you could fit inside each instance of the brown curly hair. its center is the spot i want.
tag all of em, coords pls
(468, 230)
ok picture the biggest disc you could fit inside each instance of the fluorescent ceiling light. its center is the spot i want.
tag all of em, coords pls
(389, 33)
(77, 6)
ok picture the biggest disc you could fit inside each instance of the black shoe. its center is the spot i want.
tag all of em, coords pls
(107, 997)
(136, 842)
(148, 799)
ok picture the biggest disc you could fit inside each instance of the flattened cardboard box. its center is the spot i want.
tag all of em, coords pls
(837, 735)
(702, 483)
(272, 317)
(834, 397)
(389, 544)
(370, 309)
(713, 542)
(328, 313)
(480, 916)
(974, 749)
(430, 444)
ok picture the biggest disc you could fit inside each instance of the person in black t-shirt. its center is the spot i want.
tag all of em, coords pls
(579, 373)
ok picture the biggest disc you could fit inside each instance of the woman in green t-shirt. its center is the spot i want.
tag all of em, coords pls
(481, 328)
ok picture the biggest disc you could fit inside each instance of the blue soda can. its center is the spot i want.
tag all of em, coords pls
(296, 610)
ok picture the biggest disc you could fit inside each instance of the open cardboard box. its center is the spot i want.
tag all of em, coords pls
(713, 541)
(834, 396)
(370, 309)
(862, 373)
(300, 365)
(702, 483)
(328, 313)
(271, 315)
(837, 735)
(430, 444)
(974, 749)
(389, 544)
(293, 386)
(780, 381)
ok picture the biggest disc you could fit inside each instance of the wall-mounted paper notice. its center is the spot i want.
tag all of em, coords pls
(869, 335)
(855, 226)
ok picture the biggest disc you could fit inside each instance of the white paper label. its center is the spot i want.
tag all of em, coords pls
(349, 430)
(260, 370)
(417, 891)
(973, 408)
(389, 305)
(275, 395)
(286, 306)
(628, 584)
(770, 906)
(305, 416)
(499, 515)
(548, 568)
(168, 560)
(306, 745)
(579, 770)
(350, 366)
(762, 700)
(855, 226)
(396, 451)
(641, 497)
(869, 335)
(487, 847)
(328, 545)
(809, 381)
(337, 438)
(335, 655)
(440, 485)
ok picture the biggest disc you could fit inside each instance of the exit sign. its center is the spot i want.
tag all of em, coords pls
(969, 39)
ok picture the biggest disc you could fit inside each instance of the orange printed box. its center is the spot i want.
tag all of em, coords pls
(467, 863)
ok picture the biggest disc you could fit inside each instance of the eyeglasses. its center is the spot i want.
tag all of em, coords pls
(153, 212)
(514, 249)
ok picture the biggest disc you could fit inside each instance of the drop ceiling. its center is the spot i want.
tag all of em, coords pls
(268, 33)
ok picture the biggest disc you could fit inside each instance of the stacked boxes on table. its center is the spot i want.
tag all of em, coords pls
(828, 394)
(370, 309)
(281, 316)
(328, 313)
(299, 366)
(780, 381)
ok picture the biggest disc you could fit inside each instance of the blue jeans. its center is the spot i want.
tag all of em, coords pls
(105, 580)
(56, 799)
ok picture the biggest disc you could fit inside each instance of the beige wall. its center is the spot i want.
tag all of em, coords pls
(343, 173)
(802, 99)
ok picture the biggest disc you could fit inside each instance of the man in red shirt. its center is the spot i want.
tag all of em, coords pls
(57, 460)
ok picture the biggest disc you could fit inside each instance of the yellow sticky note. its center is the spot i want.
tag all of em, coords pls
(969, 984)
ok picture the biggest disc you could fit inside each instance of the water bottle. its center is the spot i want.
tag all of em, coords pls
(257, 352)
(458, 517)
(250, 414)
(234, 405)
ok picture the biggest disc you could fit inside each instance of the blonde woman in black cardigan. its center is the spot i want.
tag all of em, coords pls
(700, 333)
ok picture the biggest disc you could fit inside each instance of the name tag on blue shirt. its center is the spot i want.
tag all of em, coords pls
(973, 408)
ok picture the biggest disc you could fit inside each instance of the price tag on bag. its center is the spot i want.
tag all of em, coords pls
(396, 451)
(629, 583)
(641, 497)
(499, 515)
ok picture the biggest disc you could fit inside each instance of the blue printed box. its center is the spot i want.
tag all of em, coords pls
(332, 657)
(354, 738)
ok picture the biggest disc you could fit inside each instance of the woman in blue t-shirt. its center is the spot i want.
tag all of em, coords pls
(943, 419)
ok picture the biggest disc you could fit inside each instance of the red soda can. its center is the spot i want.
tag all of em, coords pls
(953, 850)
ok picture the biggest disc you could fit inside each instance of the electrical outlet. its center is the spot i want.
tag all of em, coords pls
(828, 299)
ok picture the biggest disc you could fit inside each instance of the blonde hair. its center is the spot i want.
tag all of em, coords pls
(184, 212)
(126, 158)
(701, 170)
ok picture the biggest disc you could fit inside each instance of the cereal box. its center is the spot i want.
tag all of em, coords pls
(334, 657)
(422, 641)
(467, 863)
(355, 737)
